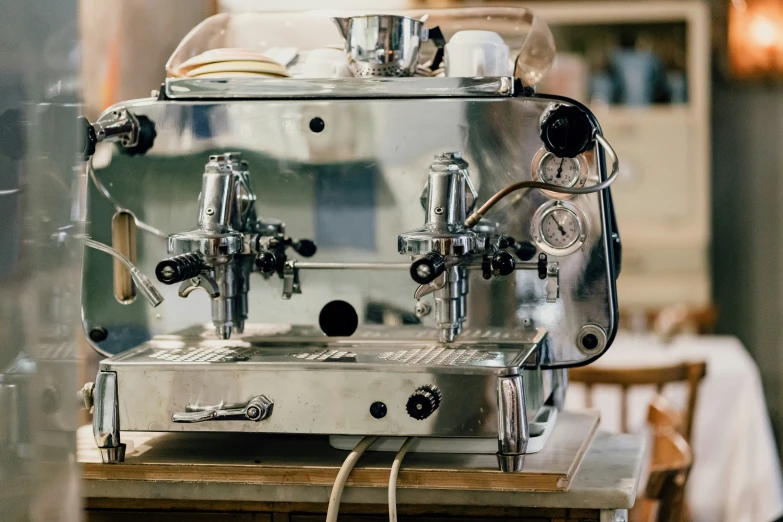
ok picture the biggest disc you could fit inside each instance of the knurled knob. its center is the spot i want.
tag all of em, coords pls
(423, 403)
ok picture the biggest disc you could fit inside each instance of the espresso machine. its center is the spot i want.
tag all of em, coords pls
(387, 254)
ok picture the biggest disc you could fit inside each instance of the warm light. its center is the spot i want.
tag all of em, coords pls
(756, 37)
(763, 31)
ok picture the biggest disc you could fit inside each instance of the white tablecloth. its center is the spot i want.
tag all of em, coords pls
(736, 475)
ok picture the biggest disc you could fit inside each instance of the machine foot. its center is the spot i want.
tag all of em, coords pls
(511, 463)
(113, 455)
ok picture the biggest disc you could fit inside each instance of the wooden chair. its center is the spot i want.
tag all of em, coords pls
(690, 372)
(663, 499)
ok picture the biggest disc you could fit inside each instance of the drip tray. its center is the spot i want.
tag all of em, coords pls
(540, 430)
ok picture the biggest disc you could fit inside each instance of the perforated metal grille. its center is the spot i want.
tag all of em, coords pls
(325, 355)
(437, 355)
(201, 354)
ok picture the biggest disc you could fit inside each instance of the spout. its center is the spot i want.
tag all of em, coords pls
(343, 24)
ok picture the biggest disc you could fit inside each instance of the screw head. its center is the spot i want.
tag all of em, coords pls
(439, 210)
(209, 211)
(253, 412)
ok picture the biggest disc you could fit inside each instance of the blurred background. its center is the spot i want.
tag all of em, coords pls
(688, 92)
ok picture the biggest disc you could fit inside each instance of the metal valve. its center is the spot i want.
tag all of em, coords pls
(256, 409)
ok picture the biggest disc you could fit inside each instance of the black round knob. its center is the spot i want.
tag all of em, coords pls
(427, 268)
(590, 342)
(266, 262)
(567, 131)
(147, 135)
(305, 247)
(525, 250)
(423, 403)
(317, 124)
(87, 137)
(178, 268)
(503, 264)
(378, 410)
(338, 319)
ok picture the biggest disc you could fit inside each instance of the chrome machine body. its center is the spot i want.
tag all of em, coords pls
(415, 315)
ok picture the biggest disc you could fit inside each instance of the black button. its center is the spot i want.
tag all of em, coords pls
(378, 410)
(317, 124)
(589, 342)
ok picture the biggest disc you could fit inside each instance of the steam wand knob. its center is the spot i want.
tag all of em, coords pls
(427, 268)
(179, 268)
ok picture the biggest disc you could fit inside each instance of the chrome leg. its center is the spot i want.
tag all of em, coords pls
(513, 434)
(106, 418)
(559, 387)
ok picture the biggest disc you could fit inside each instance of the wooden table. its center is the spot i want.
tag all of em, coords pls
(579, 476)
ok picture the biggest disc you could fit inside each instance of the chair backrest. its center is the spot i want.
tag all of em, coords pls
(671, 463)
(690, 372)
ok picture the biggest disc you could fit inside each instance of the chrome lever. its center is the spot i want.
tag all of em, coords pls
(256, 409)
(552, 282)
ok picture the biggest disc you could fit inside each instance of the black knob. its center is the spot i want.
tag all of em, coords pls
(266, 262)
(178, 268)
(378, 410)
(503, 264)
(525, 250)
(427, 268)
(567, 131)
(87, 137)
(305, 247)
(424, 401)
(590, 342)
(147, 135)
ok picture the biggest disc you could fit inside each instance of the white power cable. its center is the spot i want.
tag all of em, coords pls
(395, 470)
(342, 477)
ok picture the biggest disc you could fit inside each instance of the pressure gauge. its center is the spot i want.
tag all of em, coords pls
(563, 172)
(559, 228)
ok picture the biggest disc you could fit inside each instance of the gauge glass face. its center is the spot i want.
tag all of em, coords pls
(563, 172)
(560, 228)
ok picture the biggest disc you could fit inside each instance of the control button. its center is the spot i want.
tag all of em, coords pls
(378, 410)
(317, 124)
(567, 131)
(424, 401)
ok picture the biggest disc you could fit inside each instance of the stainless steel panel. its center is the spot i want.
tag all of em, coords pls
(313, 396)
(287, 88)
(353, 187)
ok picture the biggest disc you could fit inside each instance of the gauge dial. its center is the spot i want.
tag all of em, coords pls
(563, 172)
(559, 228)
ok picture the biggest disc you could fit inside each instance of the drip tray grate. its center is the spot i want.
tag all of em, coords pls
(202, 354)
(438, 355)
